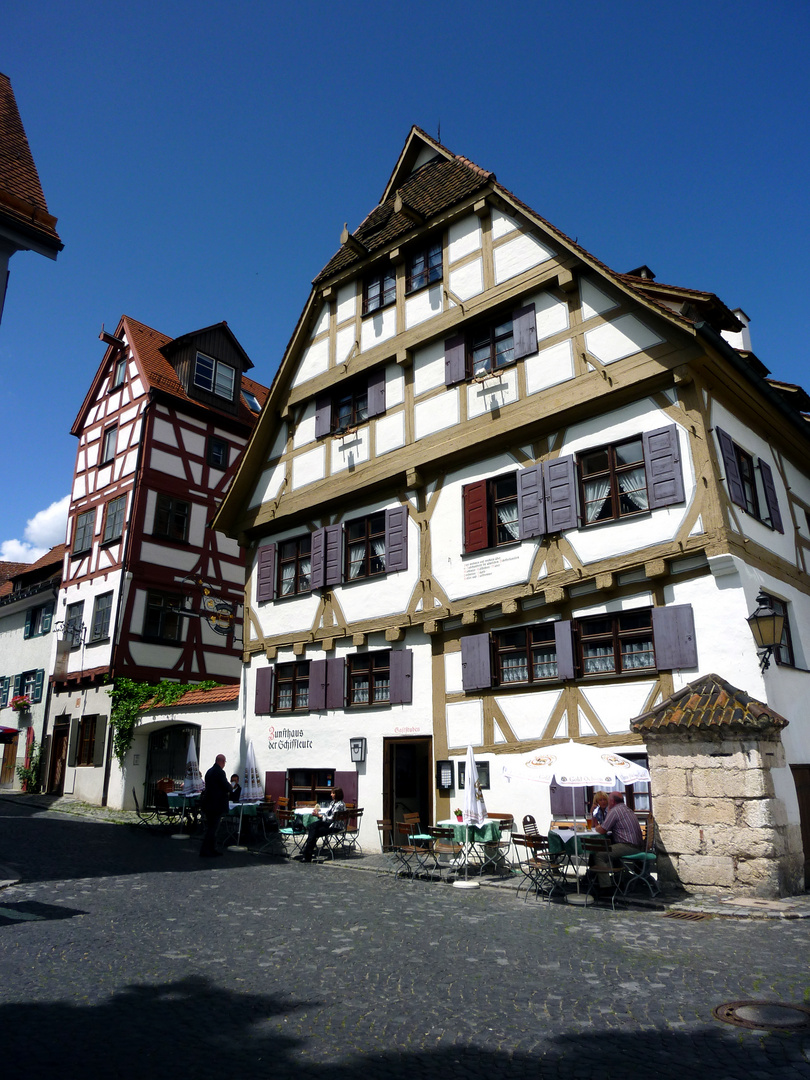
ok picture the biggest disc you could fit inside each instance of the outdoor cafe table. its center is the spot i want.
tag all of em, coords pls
(488, 832)
(189, 807)
(307, 815)
(233, 819)
(565, 842)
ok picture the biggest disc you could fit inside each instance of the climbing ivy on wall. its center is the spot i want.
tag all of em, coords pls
(128, 700)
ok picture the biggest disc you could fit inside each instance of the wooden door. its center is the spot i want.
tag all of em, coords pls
(801, 777)
(9, 763)
(59, 749)
(407, 779)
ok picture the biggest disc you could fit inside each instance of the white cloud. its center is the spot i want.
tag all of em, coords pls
(45, 529)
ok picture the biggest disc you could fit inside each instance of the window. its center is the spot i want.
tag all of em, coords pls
(38, 620)
(613, 482)
(108, 445)
(616, 643)
(350, 407)
(369, 679)
(251, 401)
(379, 290)
(86, 742)
(295, 566)
(83, 532)
(292, 687)
(74, 626)
(162, 621)
(424, 267)
(171, 518)
(218, 453)
(491, 347)
(114, 521)
(351, 404)
(365, 547)
(527, 655)
(101, 617)
(621, 643)
(214, 376)
(783, 653)
(119, 374)
(29, 683)
(750, 482)
(491, 513)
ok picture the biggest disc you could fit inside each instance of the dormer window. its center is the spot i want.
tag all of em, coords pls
(214, 376)
(252, 401)
(119, 373)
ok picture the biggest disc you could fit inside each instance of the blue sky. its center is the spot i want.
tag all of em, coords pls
(203, 157)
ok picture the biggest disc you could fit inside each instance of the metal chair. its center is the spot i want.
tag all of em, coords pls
(530, 826)
(445, 851)
(539, 872)
(495, 854)
(639, 868)
(164, 812)
(598, 847)
(147, 819)
(387, 846)
(413, 856)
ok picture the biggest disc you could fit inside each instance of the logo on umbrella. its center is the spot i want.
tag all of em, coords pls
(542, 761)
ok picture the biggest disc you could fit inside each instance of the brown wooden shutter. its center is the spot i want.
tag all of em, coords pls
(333, 554)
(263, 702)
(531, 502)
(317, 685)
(476, 662)
(733, 478)
(674, 637)
(396, 538)
(524, 330)
(474, 498)
(348, 782)
(266, 573)
(323, 415)
(73, 740)
(455, 360)
(401, 671)
(564, 640)
(317, 568)
(335, 683)
(560, 484)
(662, 462)
(99, 745)
(275, 785)
(770, 496)
(376, 392)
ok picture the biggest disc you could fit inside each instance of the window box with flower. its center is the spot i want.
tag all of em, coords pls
(21, 703)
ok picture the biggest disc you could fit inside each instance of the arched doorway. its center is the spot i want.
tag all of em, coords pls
(168, 750)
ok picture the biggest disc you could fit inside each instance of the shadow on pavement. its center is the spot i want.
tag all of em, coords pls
(39, 845)
(191, 1028)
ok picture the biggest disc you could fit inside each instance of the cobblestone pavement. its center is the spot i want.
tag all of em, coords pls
(123, 955)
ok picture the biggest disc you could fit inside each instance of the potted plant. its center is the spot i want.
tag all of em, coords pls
(21, 703)
(458, 813)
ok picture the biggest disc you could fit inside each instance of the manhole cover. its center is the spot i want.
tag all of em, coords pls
(764, 1015)
(687, 916)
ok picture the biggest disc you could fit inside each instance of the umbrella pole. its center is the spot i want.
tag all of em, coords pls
(465, 884)
(581, 899)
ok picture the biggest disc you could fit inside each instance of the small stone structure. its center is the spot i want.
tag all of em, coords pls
(721, 829)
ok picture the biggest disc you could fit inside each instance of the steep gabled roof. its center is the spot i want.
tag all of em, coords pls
(148, 349)
(709, 705)
(22, 201)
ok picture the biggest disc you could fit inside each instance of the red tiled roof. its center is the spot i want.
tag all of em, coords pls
(217, 695)
(10, 569)
(21, 197)
(54, 557)
(709, 704)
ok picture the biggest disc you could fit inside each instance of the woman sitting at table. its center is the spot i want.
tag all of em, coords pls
(325, 823)
(599, 807)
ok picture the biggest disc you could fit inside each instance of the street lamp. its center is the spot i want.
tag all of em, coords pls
(767, 626)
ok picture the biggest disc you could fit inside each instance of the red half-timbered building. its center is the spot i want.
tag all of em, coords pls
(149, 590)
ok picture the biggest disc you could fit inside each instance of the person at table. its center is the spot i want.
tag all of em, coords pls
(622, 826)
(599, 807)
(214, 803)
(236, 788)
(324, 824)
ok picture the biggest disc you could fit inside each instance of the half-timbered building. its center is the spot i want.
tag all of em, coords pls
(150, 591)
(503, 495)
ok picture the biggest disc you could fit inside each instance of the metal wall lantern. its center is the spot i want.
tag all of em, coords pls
(767, 626)
(357, 747)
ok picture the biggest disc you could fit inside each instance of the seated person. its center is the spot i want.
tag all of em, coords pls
(236, 789)
(622, 826)
(324, 824)
(599, 807)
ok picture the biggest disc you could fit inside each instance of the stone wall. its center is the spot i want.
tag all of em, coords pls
(721, 829)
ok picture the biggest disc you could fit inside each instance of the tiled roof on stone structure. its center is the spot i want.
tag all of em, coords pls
(709, 704)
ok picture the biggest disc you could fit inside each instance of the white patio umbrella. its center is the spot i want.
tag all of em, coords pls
(574, 765)
(193, 782)
(475, 811)
(252, 786)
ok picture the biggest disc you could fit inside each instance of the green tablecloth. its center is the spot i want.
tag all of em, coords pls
(558, 846)
(487, 833)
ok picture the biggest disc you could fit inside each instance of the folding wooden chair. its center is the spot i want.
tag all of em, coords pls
(446, 853)
(539, 872)
(496, 853)
(639, 868)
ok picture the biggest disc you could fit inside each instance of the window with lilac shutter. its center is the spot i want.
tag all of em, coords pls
(741, 470)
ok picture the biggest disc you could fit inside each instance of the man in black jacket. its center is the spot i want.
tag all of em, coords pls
(214, 802)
